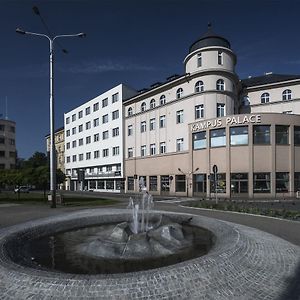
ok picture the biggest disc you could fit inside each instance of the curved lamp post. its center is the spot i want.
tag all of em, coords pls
(52, 144)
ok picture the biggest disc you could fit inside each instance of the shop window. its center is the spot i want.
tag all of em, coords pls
(239, 183)
(130, 183)
(218, 185)
(218, 137)
(153, 183)
(180, 183)
(165, 183)
(199, 183)
(282, 182)
(142, 182)
(282, 135)
(297, 135)
(261, 183)
(239, 135)
(92, 184)
(110, 184)
(199, 140)
(100, 184)
(261, 134)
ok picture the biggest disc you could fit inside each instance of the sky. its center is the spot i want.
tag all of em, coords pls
(133, 42)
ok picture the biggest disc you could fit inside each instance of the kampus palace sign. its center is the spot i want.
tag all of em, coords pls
(231, 120)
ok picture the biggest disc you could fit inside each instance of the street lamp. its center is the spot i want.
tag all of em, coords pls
(52, 146)
(188, 175)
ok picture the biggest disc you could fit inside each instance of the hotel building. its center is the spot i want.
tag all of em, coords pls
(94, 142)
(176, 131)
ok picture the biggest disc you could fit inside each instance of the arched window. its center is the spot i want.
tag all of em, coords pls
(179, 93)
(286, 95)
(130, 111)
(143, 106)
(152, 103)
(162, 100)
(265, 98)
(199, 86)
(220, 85)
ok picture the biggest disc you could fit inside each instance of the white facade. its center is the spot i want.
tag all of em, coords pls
(94, 142)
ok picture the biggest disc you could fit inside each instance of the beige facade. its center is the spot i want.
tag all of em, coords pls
(8, 153)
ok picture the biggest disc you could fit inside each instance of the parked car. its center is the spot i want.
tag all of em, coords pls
(22, 189)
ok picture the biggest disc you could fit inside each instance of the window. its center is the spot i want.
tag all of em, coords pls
(100, 184)
(152, 103)
(218, 137)
(162, 100)
(73, 117)
(80, 128)
(105, 135)
(105, 102)
(199, 86)
(239, 135)
(115, 97)
(96, 137)
(152, 149)
(297, 135)
(179, 116)
(74, 158)
(115, 131)
(282, 182)
(130, 111)
(130, 152)
(220, 85)
(80, 114)
(286, 95)
(179, 93)
(74, 144)
(2, 153)
(88, 140)
(143, 150)
(67, 122)
(239, 183)
(12, 129)
(104, 119)
(87, 125)
(116, 150)
(261, 183)
(265, 98)
(68, 159)
(282, 134)
(130, 183)
(152, 124)
(180, 183)
(74, 130)
(2, 140)
(130, 130)
(143, 106)
(115, 114)
(87, 111)
(96, 122)
(220, 58)
(68, 145)
(12, 142)
(105, 152)
(199, 60)
(297, 181)
(261, 134)
(199, 183)
(96, 154)
(96, 106)
(199, 111)
(68, 132)
(221, 110)
(143, 126)
(199, 140)
(165, 183)
(80, 156)
(162, 147)
(88, 155)
(179, 144)
(80, 142)
(153, 183)
(162, 121)
(219, 185)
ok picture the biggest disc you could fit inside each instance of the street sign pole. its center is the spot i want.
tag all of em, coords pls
(215, 170)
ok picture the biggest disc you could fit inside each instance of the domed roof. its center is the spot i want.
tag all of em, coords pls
(209, 39)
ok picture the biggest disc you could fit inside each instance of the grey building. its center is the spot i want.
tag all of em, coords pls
(8, 152)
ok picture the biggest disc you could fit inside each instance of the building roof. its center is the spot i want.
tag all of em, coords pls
(209, 39)
(268, 78)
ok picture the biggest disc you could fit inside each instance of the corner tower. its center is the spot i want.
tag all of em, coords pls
(211, 63)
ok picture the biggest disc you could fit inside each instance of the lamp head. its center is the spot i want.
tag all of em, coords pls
(21, 31)
(82, 34)
(36, 10)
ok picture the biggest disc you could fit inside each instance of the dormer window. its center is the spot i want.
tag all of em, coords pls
(220, 58)
(179, 93)
(143, 106)
(199, 60)
(220, 85)
(199, 86)
(286, 95)
(152, 103)
(162, 100)
(265, 98)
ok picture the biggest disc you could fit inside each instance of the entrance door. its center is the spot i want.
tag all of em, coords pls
(239, 184)
(165, 184)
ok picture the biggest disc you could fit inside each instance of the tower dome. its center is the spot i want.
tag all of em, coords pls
(209, 39)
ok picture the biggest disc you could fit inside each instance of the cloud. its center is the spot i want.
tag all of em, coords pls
(101, 67)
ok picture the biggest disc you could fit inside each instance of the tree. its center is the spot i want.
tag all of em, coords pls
(38, 159)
